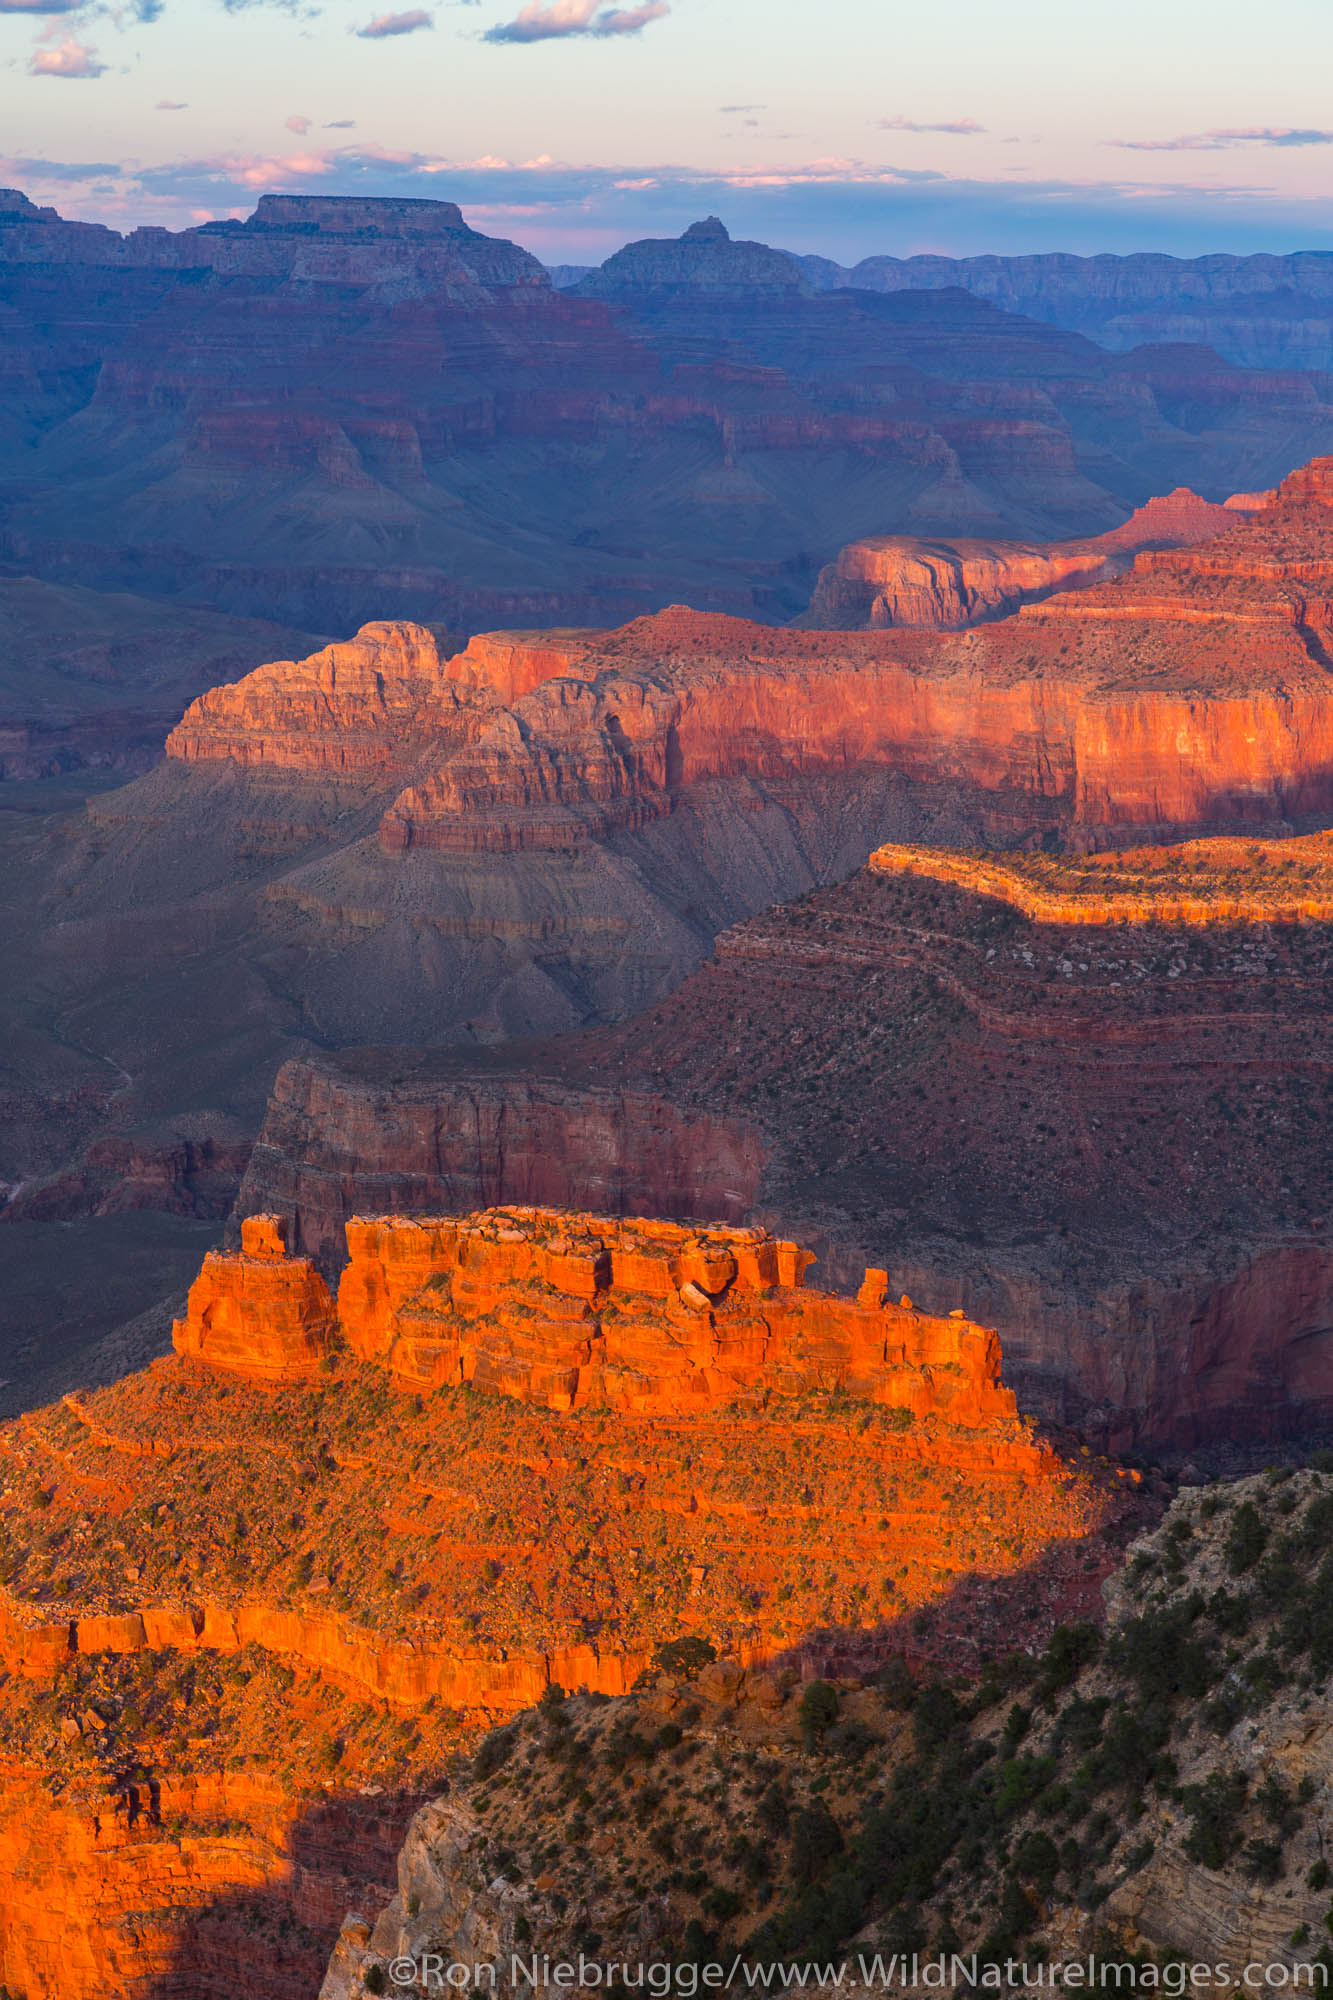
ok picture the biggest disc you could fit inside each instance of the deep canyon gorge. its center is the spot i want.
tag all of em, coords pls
(663, 1175)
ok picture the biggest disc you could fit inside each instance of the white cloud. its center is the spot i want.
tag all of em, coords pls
(962, 128)
(1227, 136)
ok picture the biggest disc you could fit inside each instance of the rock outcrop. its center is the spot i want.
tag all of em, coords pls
(367, 707)
(702, 262)
(370, 708)
(575, 1311)
(258, 1313)
(903, 580)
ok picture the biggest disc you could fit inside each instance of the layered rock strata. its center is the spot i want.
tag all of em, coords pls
(1225, 881)
(1105, 1140)
(889, 580)
(1192, 691)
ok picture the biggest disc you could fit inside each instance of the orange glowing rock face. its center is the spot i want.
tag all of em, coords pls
(587, 1312)
(309, 1524)
(259, 1314)
(1225, 880)
(906, 580)
(1191, 691)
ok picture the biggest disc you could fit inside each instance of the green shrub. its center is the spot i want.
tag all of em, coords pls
(1071, 1648)
(684, 1659)
(1037, 1860)
(936, 1715)
(816, 1838)
(1247, 1538)
(818, 1712)
(494, 1751)
(1215, 1806)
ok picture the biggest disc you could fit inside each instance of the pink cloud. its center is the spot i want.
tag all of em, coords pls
(385, 25)
(563, 18)
(1225, 136)
(296, 123)
(69, 59)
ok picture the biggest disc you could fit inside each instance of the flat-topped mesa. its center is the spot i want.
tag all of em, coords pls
(257, 1312)
(347, 215)
(370, 707)
(570, 1311)
(906, 580)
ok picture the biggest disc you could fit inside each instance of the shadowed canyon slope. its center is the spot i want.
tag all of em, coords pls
(1108, 1142)
(1260, 311)
(348, 409)
(368, 1557)
(395, 842)
(94, 680)
(1131, 1799)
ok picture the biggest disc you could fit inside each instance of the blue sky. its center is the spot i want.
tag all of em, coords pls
(571, 125)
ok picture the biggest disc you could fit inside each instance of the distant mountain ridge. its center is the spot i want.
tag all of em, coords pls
(1257, 311)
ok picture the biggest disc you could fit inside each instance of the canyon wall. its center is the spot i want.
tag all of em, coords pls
(1105, 1139)
(401, 1144)
(343, 409)
(1257, 311)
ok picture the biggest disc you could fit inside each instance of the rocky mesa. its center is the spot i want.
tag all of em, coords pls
(256, 1597)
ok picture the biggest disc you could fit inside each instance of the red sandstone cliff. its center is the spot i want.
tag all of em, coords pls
(888, 580)
(1192, 690)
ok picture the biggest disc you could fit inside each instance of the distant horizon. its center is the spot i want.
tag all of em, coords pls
(573, 126)
(591, 246)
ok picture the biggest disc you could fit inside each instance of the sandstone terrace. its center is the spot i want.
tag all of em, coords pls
(1224, 881)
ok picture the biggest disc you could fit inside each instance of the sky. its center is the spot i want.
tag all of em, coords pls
(850, 128)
